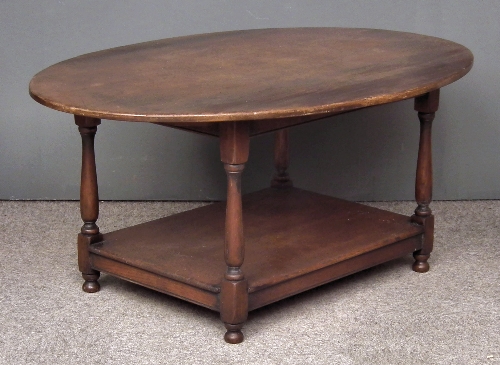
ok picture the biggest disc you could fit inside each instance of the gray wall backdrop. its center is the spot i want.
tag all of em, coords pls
(366, 155)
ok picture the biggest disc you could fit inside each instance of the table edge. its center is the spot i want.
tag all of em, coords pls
(320, 110)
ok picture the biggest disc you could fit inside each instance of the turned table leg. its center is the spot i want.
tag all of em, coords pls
(89, 203)
(426, 105)
(281, 178)
(234, 148)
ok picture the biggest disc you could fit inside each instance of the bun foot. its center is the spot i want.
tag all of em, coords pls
(233, 334)
(91, 285)
(420, 265)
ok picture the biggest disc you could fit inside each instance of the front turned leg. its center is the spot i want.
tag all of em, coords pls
(426, 105)
(89, 203)
(234, 146)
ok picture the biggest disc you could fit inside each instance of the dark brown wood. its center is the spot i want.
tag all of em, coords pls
(210, 129)
(270, 125)
(255, 249)
(137, 274)
(234, 150)
(234, 143)
(256, 126)
(289, 234)
(335, 271)
(234, 308)
(244, 75)
(89, 273)
(281, 178)
(235, 246)
(426, 105)
(89, 202)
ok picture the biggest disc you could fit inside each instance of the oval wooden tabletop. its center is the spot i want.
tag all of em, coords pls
(251, 75)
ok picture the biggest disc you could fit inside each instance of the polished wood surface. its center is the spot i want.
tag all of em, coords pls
(251, 75)
(234, 151)
(89, 203)
(253, 249)
(426, 105)
(289, 234)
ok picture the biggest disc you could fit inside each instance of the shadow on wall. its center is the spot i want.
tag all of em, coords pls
(357, 155)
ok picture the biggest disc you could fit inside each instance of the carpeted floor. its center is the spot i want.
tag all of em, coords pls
(385, 315)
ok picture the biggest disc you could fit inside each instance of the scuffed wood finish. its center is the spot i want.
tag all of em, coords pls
(251, 75)
(426, 105)
(89, 202)
(258, 248)
(294, 240)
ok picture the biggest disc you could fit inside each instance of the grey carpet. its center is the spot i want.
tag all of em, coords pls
(385, 315)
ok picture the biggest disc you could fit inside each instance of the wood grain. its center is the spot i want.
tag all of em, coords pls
(288, 233)
(251, 75)
(265, 246)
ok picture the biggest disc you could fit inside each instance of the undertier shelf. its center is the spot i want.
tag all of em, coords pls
(294, 240)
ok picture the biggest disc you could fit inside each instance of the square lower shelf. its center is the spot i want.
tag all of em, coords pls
(294, 240)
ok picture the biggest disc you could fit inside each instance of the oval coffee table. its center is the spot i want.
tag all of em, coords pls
(253, 250)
